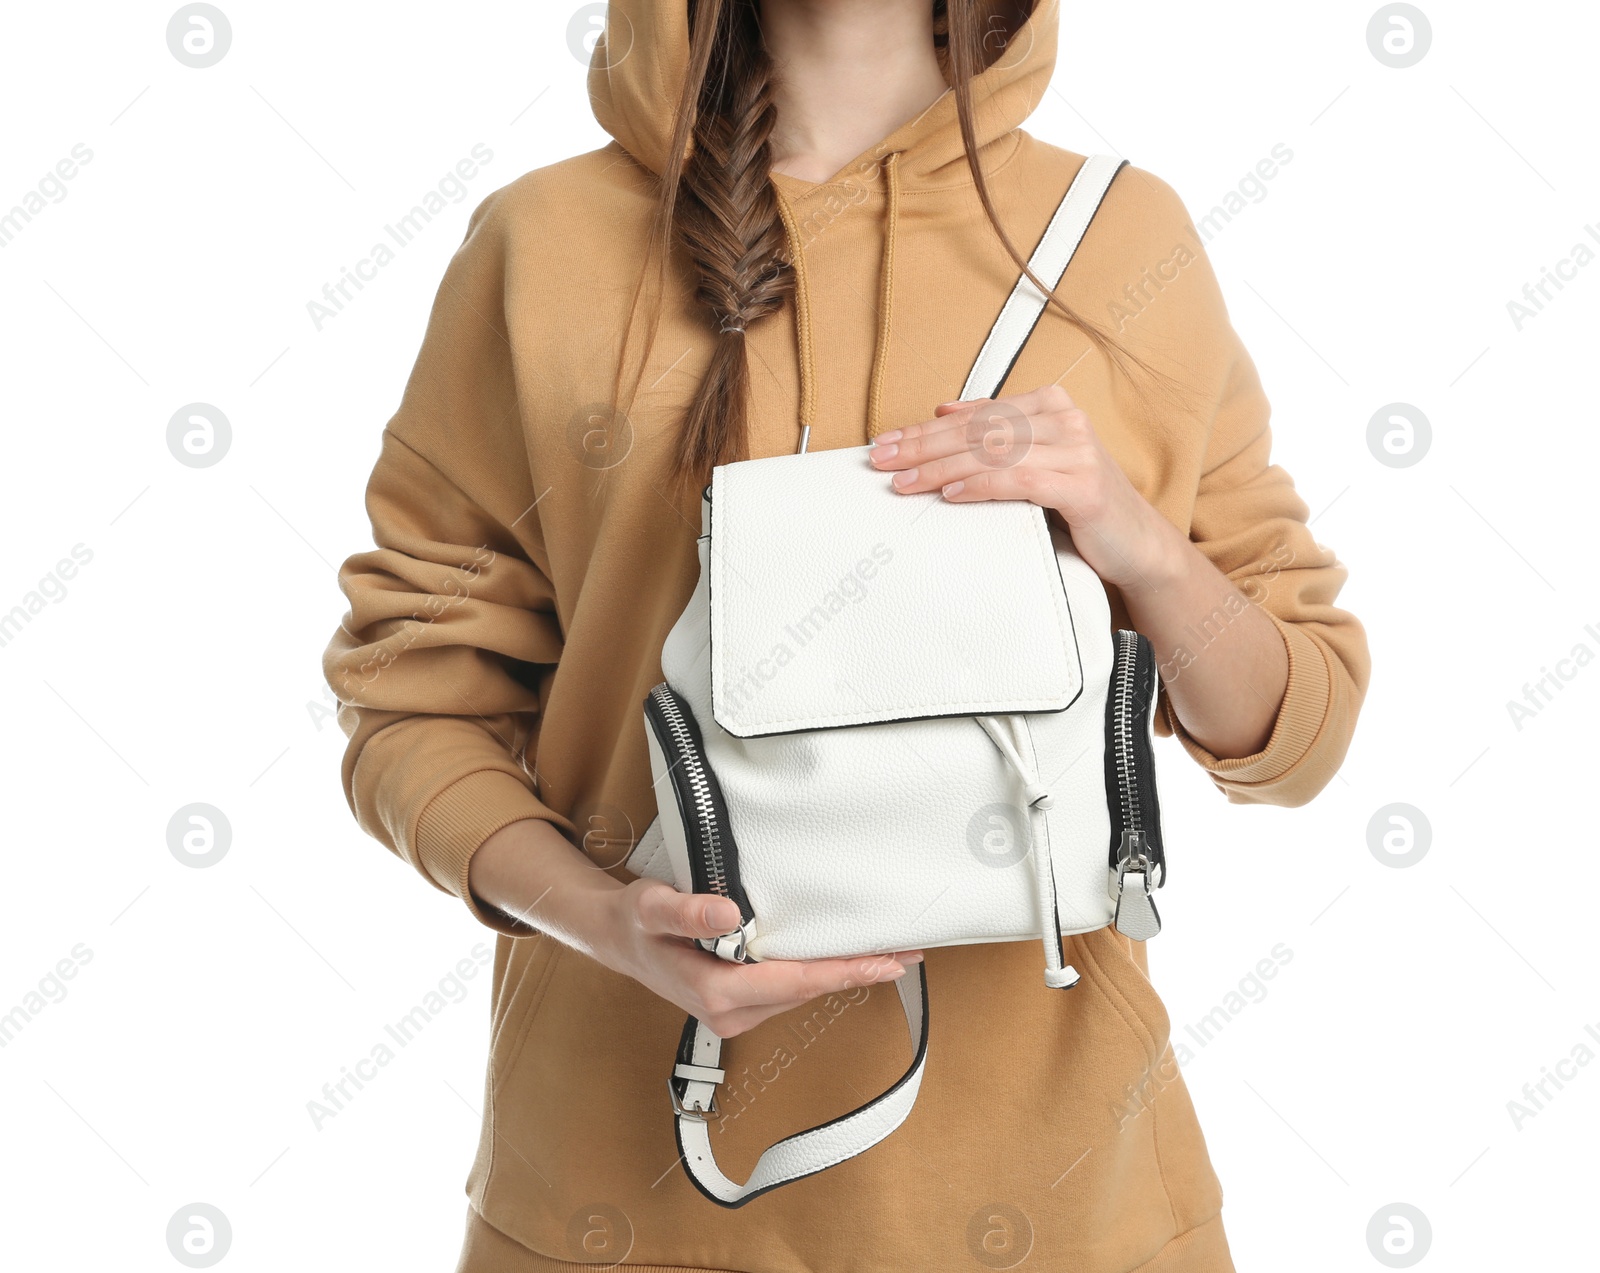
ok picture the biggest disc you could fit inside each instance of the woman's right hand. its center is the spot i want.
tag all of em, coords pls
(645, 929)
(649, 936)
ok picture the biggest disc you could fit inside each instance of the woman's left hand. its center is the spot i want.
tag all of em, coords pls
(1038, 446)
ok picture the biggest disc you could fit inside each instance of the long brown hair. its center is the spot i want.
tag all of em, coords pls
(718, 204)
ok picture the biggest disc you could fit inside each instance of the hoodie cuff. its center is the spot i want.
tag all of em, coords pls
(1300, 718)
(455, 823)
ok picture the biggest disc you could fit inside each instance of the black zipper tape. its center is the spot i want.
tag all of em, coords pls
(1130, 759)
(708, 833)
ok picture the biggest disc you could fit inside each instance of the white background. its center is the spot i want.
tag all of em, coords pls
(181, 664)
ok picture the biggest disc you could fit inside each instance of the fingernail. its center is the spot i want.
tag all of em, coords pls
(897, 974)
(952, 488)
(910, 959)
(893, 435)
(905, 477)
(881, 452)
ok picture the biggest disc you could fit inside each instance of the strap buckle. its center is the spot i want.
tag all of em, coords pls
(692, 1075)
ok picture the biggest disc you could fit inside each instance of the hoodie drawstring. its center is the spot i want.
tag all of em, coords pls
(880, 358)
(802, 317)
(803, 331)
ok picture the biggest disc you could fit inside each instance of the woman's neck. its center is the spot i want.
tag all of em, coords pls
(849, 72)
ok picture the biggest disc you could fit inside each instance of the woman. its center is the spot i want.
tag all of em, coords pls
(828, 186)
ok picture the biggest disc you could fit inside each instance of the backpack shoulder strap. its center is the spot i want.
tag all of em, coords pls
(1049, 261)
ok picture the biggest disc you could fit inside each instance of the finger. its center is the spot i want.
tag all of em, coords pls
(786, 983)
(898, 448)
(917, 443)
(1045, 487)
(1047, 413)
(739, 1020)
(1043, 400)
(729, 999)
(994, 433)
(1039, 465)
(666, 912)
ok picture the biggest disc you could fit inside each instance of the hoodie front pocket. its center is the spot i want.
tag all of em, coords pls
(1109, 957)
(510, 1032)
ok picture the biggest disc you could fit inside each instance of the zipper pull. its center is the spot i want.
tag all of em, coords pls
(732, 946)
(1136, 914)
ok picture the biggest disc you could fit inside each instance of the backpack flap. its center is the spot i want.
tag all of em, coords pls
(836, 601)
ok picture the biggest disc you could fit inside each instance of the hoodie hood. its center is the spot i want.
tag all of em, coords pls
(637, 71)
(636, 76)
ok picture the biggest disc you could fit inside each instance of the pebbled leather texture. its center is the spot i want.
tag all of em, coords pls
(825, 610)
(649, 857)
(910, 834)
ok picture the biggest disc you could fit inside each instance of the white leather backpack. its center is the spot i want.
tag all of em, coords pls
(845, 641)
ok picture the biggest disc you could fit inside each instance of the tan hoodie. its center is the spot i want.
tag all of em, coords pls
(503, 635)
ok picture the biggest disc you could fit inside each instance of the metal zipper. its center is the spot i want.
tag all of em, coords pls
(1127, 661)
(686, 755)
(1135, 914)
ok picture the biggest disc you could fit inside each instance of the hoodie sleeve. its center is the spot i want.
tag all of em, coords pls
(452, 630)
(1251, 523)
